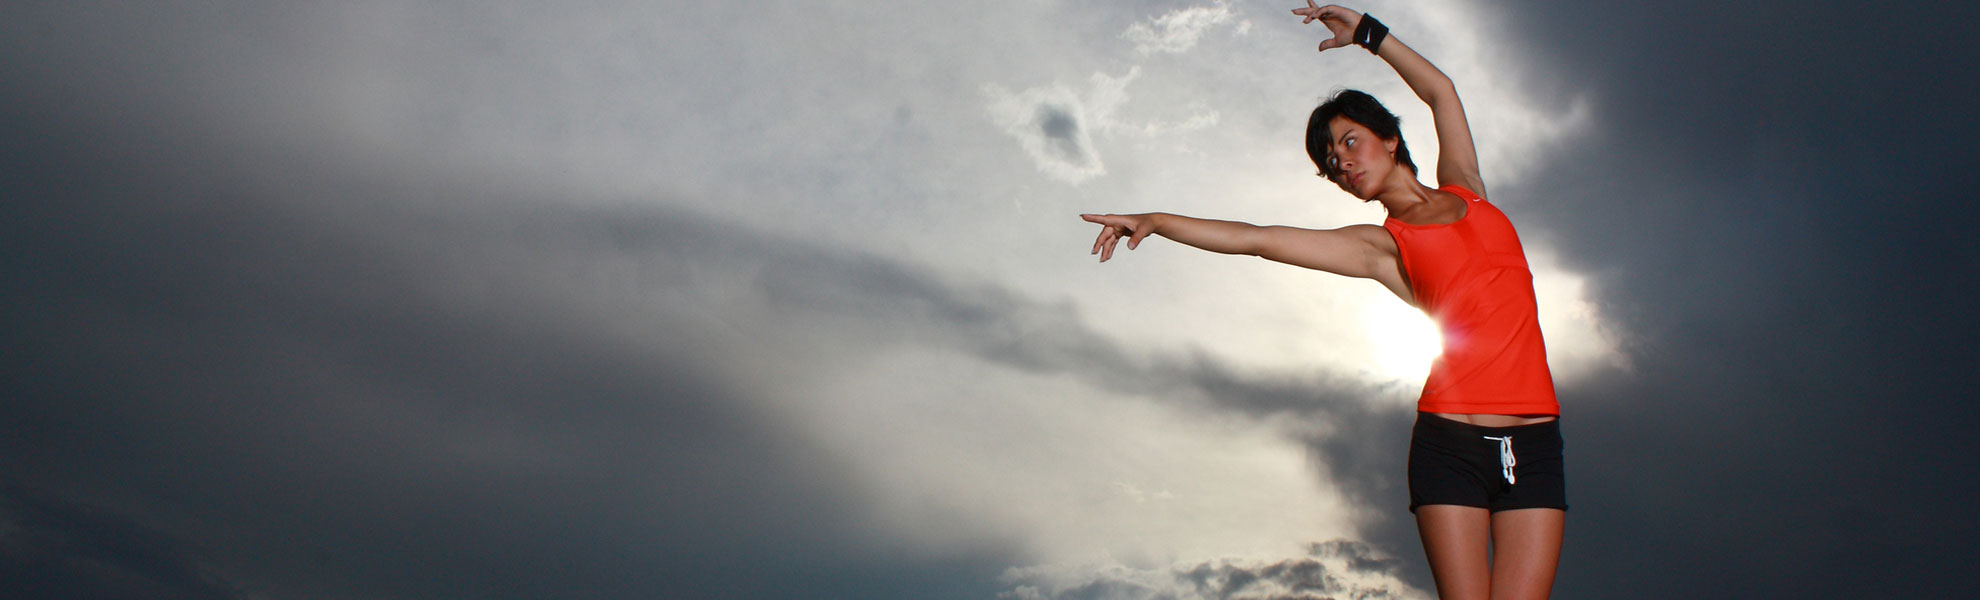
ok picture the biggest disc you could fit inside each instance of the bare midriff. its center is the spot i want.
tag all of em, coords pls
(1497, 420)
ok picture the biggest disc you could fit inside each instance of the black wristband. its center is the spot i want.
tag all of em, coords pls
(1370, 33)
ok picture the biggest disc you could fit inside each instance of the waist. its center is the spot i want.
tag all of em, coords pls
(1495, 420)
(1542, 437)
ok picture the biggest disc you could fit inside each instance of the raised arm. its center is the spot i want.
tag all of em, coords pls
(1364, 251)
(1457, 157)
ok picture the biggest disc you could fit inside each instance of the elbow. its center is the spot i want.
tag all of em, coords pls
(1252, 246)
(1256, 241)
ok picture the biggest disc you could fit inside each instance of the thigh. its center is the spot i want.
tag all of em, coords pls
(1526, 549)
(1457, 540)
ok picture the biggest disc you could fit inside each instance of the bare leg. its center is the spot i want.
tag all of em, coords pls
(1526, 548)
(1457, 540)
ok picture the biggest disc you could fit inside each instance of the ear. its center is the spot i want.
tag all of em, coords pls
(1392, 144)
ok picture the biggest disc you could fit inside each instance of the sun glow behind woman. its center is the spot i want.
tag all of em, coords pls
(1402, 341)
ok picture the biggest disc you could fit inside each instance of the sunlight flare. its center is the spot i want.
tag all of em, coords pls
(1402, 341)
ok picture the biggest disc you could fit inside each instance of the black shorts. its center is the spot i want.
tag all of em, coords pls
(1495, 468)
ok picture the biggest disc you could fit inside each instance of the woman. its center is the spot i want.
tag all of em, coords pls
(1485, 470)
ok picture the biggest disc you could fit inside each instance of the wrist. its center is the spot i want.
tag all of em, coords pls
(1369, 33)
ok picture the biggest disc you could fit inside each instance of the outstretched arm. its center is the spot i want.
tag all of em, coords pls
(1457, 157)
(1365, 251)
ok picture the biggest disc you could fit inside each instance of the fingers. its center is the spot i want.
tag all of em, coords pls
(1311, 12)
(1112, 229)
(1339, 21)
(1109, 236)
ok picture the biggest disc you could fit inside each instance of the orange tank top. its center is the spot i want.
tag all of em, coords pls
(1471, 277)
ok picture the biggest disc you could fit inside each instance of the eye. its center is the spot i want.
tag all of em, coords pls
(1350, 142)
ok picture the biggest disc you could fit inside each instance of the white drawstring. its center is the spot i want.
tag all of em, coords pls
(1506, 460)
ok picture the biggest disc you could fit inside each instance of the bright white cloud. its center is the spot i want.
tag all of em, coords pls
(1339, 569)
(1579, 343)
(1056, 124)
(960, 451)
(1179, 30)
(1514, 127)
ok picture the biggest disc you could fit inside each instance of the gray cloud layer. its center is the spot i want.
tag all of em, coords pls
(341, 376)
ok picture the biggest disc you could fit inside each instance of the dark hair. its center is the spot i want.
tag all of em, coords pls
(1361, 108)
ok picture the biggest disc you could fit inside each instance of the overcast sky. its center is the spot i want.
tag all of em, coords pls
(617, 299)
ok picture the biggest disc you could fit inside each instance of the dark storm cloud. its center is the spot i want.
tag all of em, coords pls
(339, 379)
(52, 549)
(302, 392)
(1774, 206)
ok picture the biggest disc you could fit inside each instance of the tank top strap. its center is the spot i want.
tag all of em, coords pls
(1463, 192)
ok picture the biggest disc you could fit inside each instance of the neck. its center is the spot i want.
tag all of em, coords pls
(1402, 192)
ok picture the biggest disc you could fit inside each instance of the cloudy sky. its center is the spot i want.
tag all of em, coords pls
(618, 299)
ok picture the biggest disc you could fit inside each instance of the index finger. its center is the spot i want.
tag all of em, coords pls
(1102, 219)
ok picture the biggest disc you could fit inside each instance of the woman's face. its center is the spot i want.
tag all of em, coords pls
(1361, 160)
